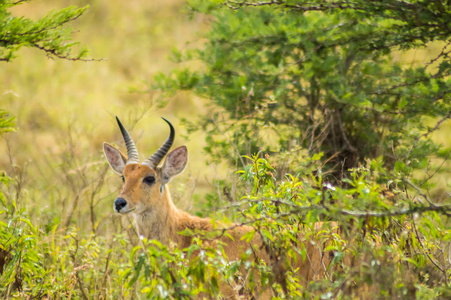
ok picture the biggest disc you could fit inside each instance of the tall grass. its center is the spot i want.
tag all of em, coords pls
(65, 110)
(63, 240)
(59, 199)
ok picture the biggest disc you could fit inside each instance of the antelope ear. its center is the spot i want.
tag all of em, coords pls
(115, 158)
(174, 164)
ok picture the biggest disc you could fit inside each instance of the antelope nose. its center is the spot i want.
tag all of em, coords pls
(119, 203)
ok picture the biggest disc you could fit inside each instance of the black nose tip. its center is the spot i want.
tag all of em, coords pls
(119, 203)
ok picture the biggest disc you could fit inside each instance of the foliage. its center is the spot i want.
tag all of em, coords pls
(377, 228)
(6, 122)
(287, 75)
(296, 79)
(48, 34)
(375, 231)
(58, 238)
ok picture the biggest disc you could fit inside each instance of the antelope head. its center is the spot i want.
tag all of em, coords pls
(143, 190)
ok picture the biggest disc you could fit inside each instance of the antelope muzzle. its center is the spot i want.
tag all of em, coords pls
(119, 204)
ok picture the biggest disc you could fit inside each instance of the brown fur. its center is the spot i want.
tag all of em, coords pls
(158, 218)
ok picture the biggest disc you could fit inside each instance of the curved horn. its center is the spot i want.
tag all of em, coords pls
(155, 159)
(132, 152)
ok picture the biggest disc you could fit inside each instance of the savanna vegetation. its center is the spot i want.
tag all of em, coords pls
(294, 112)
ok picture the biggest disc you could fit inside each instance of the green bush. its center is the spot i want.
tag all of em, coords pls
(290, 75)
(390, 244)
(48, 34)
(297, 79)
(313, 85)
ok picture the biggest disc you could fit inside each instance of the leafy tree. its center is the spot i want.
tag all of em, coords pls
(48, 34)
(22, 254)
(299, 79)
(287, 75)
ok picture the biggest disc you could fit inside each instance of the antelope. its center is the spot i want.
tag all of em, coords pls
(145, 195)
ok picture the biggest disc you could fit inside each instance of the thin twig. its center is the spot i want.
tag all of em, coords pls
(359, 214)
(297, 209)
(77, 270)
(425, 252)
(436, 126)
(419, 191)
(343, 133)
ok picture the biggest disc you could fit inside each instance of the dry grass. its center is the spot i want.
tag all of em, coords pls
(65, 109)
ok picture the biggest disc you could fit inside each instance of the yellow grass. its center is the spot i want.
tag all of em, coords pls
(65, 110)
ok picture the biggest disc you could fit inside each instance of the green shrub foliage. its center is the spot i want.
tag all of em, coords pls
(340, 131)
(48, 34)
(320, 76)
(6, 121)
(390, 245)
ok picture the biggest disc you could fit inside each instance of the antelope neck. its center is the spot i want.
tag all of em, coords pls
(159, 223)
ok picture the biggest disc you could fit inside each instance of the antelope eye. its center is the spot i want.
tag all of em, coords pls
(123, 178)
(149, 180)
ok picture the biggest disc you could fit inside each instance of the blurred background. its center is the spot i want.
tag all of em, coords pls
(58, 227)
(65, 109)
